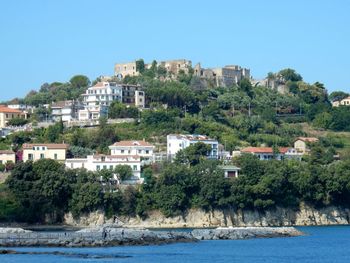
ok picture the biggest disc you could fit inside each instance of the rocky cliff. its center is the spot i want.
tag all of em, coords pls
(304, 216)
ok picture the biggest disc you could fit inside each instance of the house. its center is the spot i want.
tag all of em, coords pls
(7, 114)
(267, 153)
(301, 144)
(177, 142)
(37, 151)
(230, 171)
(138, 148)
(98, 162)
(92, 113)
(343, 102)
(65, 110)
(7, 156)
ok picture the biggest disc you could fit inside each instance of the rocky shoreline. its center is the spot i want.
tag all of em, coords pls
(111, 236)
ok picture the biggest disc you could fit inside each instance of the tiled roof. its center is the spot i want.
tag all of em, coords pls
(307, 139)
(263, 150)
(48, 145)
(132, 143)
(5, 109)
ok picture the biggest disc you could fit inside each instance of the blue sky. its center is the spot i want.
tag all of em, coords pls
(46, 41)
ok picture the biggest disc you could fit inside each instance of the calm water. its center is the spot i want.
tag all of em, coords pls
(323, 244)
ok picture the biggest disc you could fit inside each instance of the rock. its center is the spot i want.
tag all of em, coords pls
(245, 233)
(12, 230)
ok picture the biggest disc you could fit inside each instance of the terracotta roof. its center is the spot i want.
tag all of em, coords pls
(48, 145)
(307, 139)
(6, 152)
(263, 150)
(5, 109)
(132, 143)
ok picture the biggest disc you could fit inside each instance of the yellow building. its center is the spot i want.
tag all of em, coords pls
(301, 144)
(7, 114)
(39, 151)
(7, 156)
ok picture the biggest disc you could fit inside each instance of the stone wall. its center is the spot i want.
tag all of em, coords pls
(198, 218)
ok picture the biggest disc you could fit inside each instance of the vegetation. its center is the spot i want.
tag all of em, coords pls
(237, 116)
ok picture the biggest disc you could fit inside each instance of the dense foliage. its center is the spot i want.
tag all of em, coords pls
(237, 116)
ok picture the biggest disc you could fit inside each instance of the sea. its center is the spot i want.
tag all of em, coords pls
(320, 244)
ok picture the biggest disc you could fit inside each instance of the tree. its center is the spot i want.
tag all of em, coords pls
(124, 172)
(79, 81)
(140, 66)
(193, 154)
(17, 122)
(338, 95)
(290, 75)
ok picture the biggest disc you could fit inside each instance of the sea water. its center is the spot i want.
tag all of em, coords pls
(320, 244)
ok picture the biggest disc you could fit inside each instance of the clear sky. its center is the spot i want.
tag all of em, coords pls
(46, 41)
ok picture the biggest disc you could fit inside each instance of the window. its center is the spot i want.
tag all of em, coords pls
(33, 148)
(105, 167)
(55, 156)
(0, 161)
(111, 167)
(139, 151)
(42, 156)
(147, 151)
(134, 167)
(98, 167)
(38, 148)
(121, 151)
(128, 151)
(43, 148)
(71, 165)
(103, 158)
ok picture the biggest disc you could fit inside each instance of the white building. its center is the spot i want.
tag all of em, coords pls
(98, 162)
(92, 112)
(103, 93)
(267, 153)
(177, 142)
(64, 110)
(343, 102)
(99, 97)
(139, 148)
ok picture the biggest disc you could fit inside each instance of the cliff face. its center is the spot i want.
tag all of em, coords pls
(305, 216)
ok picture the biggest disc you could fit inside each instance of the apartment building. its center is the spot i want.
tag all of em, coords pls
(103, 93)
(66, 111)
(177, 142)
(37, 151)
